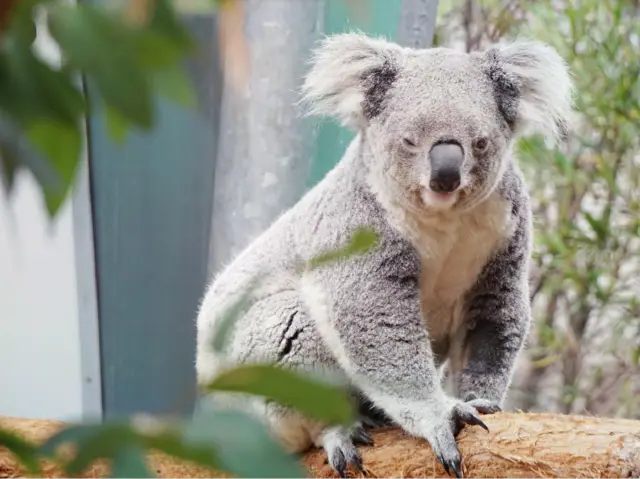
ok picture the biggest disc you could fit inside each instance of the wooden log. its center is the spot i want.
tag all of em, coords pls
(518, 445)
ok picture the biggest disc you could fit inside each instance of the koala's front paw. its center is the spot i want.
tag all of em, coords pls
(445, 429)
(483, 406)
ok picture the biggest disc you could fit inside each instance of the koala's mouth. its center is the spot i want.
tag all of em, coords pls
(439, 200)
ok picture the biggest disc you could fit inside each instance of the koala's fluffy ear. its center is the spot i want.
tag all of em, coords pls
(350, 76)
(534, 87)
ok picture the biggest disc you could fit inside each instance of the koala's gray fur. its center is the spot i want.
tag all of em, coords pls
(449, 279)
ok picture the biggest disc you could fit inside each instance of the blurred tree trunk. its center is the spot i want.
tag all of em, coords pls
(417, 23)
(265, 147)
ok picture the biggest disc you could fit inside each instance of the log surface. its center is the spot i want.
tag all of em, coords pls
(518, 445)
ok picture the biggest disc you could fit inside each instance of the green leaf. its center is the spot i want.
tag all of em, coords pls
(165, 21)
(75, 434)
(598, 226)
(175, 445)
(9, 165)
(117, 125)
(363, 240)
(30, 89)
(244, 446)
(155, 51)
(636, 356)
(318, 400)
(130, 462)
(176, 85)
(92, 442)
(24, 451)
(232, 314)
(61, 143)
(96, 43)
(107, 443)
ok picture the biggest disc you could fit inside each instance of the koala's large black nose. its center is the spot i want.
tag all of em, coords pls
(446, 161)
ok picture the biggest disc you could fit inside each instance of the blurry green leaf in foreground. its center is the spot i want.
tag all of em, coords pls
(100, 46)
(363, 240)
(130, 462)
(174, 84)
(9, 165)
(318, 400)
(25, 452)
(117, 125)
(232, 314)
(244, 446)
(62, 143)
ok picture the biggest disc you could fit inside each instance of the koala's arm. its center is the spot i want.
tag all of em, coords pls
(368, 312)
(499, 314)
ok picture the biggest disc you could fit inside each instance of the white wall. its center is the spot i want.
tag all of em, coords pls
(40, 368)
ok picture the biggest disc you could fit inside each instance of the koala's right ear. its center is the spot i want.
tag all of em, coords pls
(350, 76)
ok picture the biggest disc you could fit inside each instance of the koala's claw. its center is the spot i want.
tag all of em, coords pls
(443, 440)
(341, 451)
(360, 436)
(463, 417)
(453, 463)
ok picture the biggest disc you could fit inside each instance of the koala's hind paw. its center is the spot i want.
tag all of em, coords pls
(442, 438)
(484, 406)
(341, 451)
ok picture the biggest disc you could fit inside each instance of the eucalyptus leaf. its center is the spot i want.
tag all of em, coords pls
(9, 165)
(174, 84)
(311, 397)
(109, 441)
(232, 314)
(96, 43)
(61, 143)
(130, 462)
(362, 241)
(117, 125)
(174, 444)
(23, 450)
(244, 446)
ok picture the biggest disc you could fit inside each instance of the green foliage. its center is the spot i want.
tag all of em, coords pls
(127, 65)
(25, 452)
(363, 240)
(285, 387)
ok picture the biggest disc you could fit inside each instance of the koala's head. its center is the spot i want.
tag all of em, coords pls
(438, 124)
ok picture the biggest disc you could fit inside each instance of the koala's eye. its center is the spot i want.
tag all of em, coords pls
(409, 143)
(480, 144)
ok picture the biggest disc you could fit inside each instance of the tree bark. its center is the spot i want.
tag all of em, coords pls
(518, 445)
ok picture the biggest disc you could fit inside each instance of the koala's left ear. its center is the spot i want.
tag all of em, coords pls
(533, 87)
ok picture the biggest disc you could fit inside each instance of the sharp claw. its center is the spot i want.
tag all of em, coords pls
(363, 437)
(357, 463)
(478, 422)
(444, 464)
(339, 463)
(456, 468)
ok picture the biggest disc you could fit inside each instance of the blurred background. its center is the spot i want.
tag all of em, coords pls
(98, 303)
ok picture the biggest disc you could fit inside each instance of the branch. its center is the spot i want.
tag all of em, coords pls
(519, 445)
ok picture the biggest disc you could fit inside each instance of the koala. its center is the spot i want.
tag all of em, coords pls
(432, 170)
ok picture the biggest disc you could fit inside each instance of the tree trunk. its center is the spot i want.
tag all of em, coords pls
(519, 445)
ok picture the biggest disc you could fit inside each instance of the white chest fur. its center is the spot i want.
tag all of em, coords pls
(454, 249)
